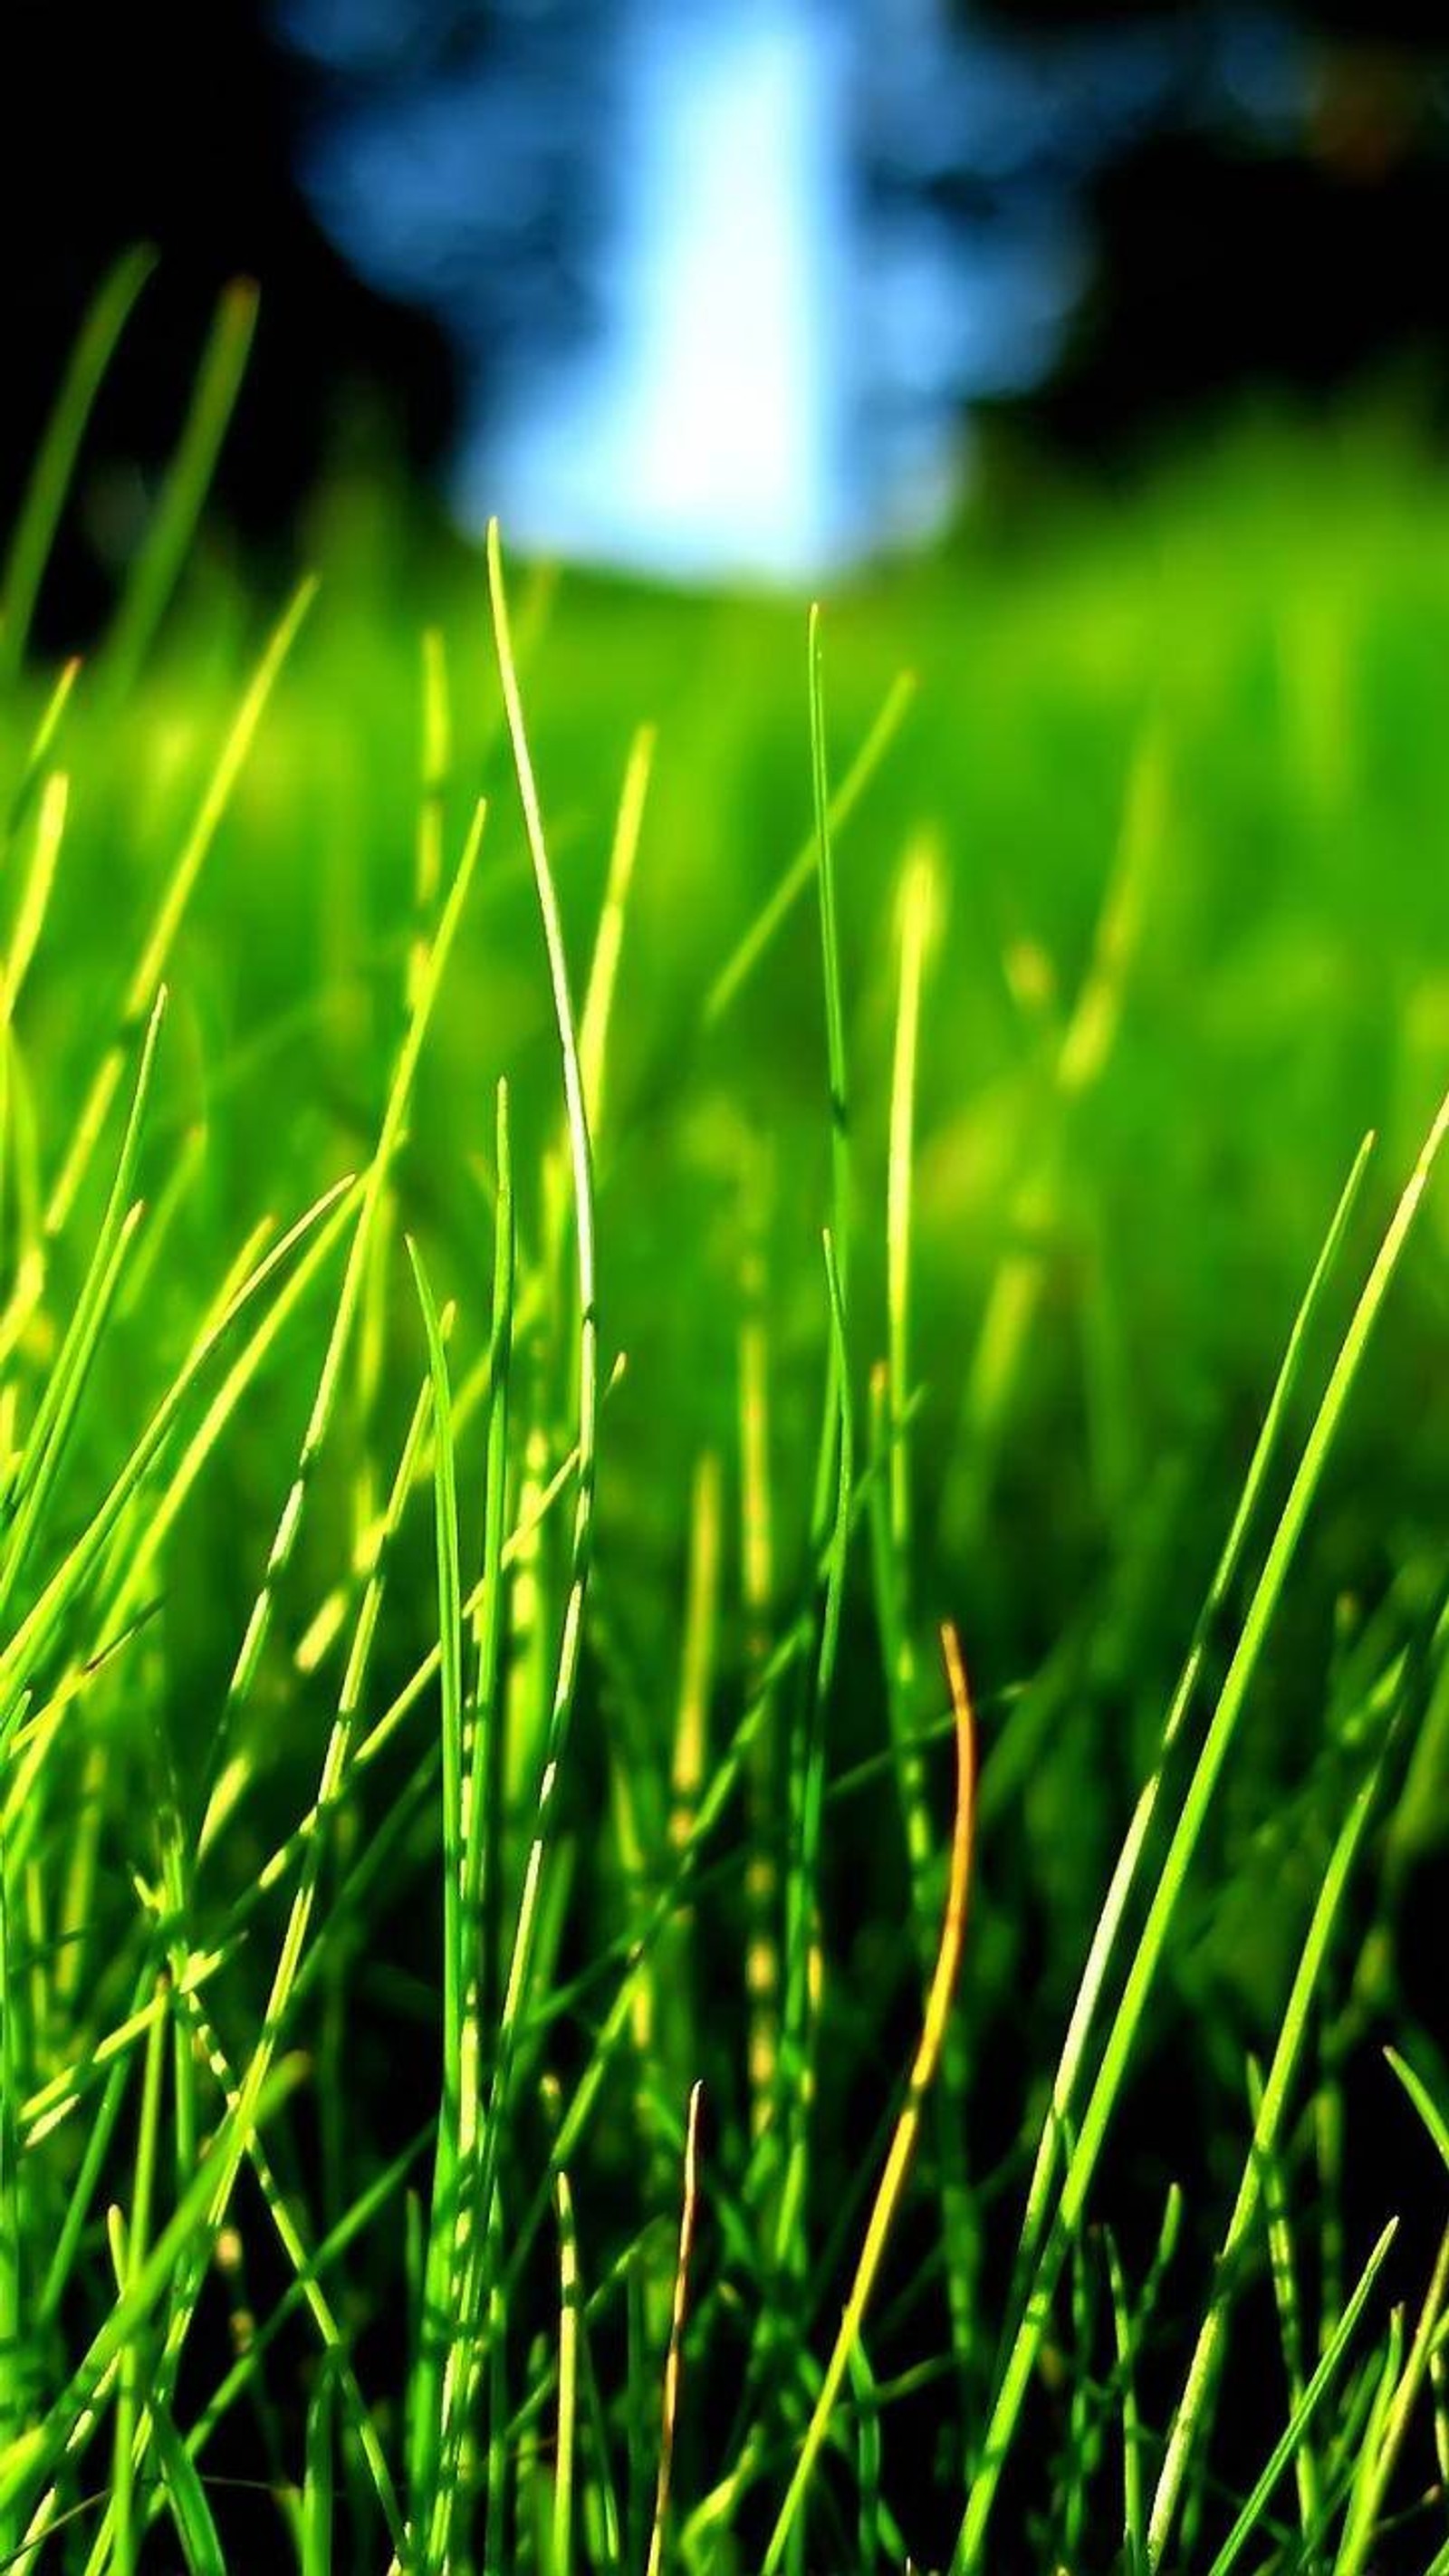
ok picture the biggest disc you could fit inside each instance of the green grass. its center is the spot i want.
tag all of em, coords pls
(579, 1173)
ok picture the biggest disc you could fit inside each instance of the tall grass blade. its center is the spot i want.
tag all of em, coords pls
(329, 1379)
(55, 462)
(745, 957)
(892, 2182)
(1267, 2131)
(1142, 1970)
(158, 565)
(1303, 2414)
(674, 2358)
(150, 968)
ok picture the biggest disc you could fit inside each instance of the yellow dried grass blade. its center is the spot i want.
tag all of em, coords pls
(673, 2364)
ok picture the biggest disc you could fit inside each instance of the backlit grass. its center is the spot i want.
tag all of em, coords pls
(590, 1182)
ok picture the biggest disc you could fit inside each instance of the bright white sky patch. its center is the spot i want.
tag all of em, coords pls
(705, 433)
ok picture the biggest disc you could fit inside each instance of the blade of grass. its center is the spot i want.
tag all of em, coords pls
(1385, 2378)
(581, 1551)
(757, 1588)
(462, 2365)
(35, 895)
(1124, 1875)
(1141, 1974)
(134, 2239)
(1405, 2390)
(562, 2536)
(1290, 2320)
(892, 2182)
(55, 461)
(13, 2323)
(45, 1446)
(867, 2458)
(157, 568)
(1129, 2332)
(318, 2501)
(599, 991)
(892, 1549)
(329, 1378)
(788, 2129)
(1434, 2119)
(1040, 1200)
(840, 1185)
(741, 964)
(805, 1789)
(69, 2421)
(674, 2358)
(150, 967)
(429, 2424)
(191, 2516)
(1286, 2446)
(1195, 2402)
(19, 1657)
(298, 2293)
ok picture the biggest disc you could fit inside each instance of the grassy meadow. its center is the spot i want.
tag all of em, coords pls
(724, 1699)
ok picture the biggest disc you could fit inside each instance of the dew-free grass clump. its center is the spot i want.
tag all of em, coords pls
(557, 1298)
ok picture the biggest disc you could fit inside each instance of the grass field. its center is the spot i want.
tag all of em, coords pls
(530, 1330)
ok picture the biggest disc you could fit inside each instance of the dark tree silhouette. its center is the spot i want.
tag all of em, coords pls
(175, 123)
(1224, 258)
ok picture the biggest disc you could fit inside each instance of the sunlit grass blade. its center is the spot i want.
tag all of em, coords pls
(893, 2179)
(158, 565)
(674, 2357)
(840, 1185)
(55, 461)
(43, 2110)
(740, 965)
(1128, 2331)
(141, 1559)
(1387, 2436)
(186, 2501)
(1129, 1861)
(1086, 2147)
(329, 1378)
(431, 2394)
(805, 1789)
(570, 1644)
(19, 1174)
(150, 968)
(37, 1629)
(437, 766)
(243, 2096)
(1435, 2120)
(1082, 1054)
(35, 897)
(13, 2322)
(892, 1521)
(1198, 2390)
(599, 992)
(67, 2425)
(562, 2537)
(802, 1963)
(1303, 2414)
(44, 1448)
(1284, 2269)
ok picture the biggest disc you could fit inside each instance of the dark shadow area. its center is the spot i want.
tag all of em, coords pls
(177, 127)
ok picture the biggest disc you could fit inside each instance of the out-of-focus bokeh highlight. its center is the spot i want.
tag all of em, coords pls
(718, 287)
